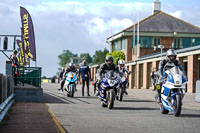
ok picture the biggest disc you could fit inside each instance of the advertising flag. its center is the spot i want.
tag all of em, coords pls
(28, 36)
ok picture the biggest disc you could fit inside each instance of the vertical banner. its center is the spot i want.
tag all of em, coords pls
(21, 57)
(28, 34)
(26, 57)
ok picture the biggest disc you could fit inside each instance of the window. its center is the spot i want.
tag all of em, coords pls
(178, 43)
(124, 41)
(156, 42)
(186, 42)
(75, 61)
(146, 42)
(119, 45)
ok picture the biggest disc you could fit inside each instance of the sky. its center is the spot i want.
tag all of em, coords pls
(81, 26)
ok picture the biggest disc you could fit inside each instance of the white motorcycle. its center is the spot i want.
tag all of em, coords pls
(173, 91)
(70, 84)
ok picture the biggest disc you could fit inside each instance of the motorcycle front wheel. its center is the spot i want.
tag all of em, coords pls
(121, 93)
(111, 98)
(72, 89)
(177, 106)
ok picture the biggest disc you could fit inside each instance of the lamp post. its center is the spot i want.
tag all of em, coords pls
(174, 34)
(161, 47)
(193, 41)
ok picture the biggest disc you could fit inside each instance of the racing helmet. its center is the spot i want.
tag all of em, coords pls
(171, 55)
(121, 63)
(109, 60)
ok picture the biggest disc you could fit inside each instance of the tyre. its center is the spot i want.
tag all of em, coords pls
(111, 99)
(177, 107)
(103, 104)
(163, 110)
(72, 87)
(121, 93)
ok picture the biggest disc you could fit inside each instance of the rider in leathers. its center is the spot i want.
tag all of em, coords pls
(123, 70)
(166, 64)
(71, 68)
(107, 66)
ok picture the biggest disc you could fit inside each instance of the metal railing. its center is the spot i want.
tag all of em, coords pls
(6, 94)
(27, 75)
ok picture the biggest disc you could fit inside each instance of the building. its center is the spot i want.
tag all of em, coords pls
(77, 60)
(159, 29)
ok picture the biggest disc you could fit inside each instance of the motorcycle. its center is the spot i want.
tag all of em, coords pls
(173, 91)
(122, 89)
(70, 84)
(108, 89)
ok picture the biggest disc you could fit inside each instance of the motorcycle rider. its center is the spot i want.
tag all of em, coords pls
(105, 67)
(165, 64)
(123, 70)
(61, 76)
(71, 68)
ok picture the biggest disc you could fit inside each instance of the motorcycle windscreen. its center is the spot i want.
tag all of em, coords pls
(111, 75)
(175, 70)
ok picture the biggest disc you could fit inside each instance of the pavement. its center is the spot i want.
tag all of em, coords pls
(29, 118)
(138, 113)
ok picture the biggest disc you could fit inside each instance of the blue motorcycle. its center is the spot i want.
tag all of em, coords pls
(173, 91)
(70, 84)
(108, 89)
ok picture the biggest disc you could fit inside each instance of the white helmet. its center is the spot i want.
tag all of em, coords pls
(121, 63)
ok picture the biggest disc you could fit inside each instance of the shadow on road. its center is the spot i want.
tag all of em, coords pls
(191, 115)
(86, 97)
(133, 108)
(51, 99)
(54, 97)
(138, 101)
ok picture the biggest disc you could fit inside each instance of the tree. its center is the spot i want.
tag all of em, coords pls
(117, 55)
(87, 56)
(64, 58)
(99, 56)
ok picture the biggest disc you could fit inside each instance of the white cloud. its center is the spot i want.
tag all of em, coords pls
(177, 13)
(78, 26)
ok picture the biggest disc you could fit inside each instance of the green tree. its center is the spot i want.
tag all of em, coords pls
(117, 55)
(87, 56)
(99, 56)
(64, 58)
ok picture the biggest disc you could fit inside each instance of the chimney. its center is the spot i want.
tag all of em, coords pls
(156, 6)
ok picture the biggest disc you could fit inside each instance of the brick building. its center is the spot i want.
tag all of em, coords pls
(158, 29)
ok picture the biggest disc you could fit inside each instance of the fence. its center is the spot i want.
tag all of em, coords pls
(28, 75)
(6, 94)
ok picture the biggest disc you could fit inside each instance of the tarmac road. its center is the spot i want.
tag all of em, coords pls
(138, 113)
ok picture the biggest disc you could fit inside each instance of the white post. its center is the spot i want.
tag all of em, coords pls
(138, 31)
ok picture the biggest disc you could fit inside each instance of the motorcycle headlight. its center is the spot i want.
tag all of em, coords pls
(111, 82)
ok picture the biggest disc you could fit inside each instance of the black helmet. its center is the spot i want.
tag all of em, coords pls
(170, 53)
(15, 51)
(109, 58)
(71, 65)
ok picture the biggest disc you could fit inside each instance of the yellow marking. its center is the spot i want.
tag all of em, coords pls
(60, 127)
(45, 81)
(158, 87)
(102, 87)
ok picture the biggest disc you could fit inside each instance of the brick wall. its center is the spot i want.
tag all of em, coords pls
(145, 76)
(128, 51)
(193, 73)
(167, 41)
(131, 77)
